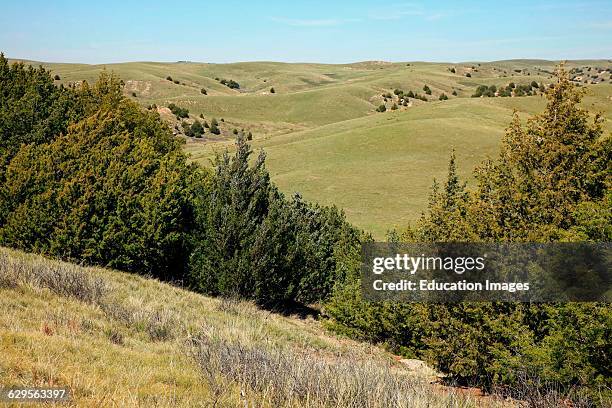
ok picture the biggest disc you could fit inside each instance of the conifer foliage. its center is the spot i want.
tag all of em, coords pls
(254, 243)
(550, 182)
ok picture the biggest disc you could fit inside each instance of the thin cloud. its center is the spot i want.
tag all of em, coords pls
(605, 25)
(399, 11)
(326, 22)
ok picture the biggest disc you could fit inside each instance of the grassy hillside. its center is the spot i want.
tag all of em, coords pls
(117, 339)
(322, 134)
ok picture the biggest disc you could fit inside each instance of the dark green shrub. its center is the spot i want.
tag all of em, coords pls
(197, 130)
(214, 127)
(253, 243)
(114, 190)
(33, 109)
(179, 112)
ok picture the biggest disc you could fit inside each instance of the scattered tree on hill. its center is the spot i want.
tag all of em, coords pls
(381, 108)
(56, 77)
(443, 97)
(179, 112)
(203, 91)
(214, 127)
(454, 93)
(169, 78)
(394, 106)
(427, 90)
(272, 90)
(197, 130)
(483, 90)
(250, 136)
(468, 75)
(410, 94)
(452, 69)
(230, 83)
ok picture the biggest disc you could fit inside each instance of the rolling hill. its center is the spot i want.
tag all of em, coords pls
(322, 134)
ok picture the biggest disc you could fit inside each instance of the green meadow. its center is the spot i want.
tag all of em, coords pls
(322, 134)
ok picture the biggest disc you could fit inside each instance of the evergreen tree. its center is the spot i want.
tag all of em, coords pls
(214, 127)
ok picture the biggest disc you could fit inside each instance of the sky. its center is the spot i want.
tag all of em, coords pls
(304, 31)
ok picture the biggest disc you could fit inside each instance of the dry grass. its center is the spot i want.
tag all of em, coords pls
(282, 378)
(121, 340)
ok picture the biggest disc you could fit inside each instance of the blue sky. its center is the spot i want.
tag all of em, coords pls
(311, 31)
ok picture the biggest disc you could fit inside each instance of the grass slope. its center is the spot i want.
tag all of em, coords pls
(117, 339)
(321, 132)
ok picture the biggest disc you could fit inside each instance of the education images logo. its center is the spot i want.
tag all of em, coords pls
(459, 265)
(455, 272)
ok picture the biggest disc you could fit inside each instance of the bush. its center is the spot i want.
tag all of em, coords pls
(381, 108)
(454, 93)
(427, 90)
(197, 130)
(214, 127)
(97, 193)
(61, 278)
(443, 97)
(272, 90)
(56, 77)
(468, 75)
(169, 78)
(179, 112)
(253, 243)
(203, 91)
(230, 83)
(33, 109)
(290, 379)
